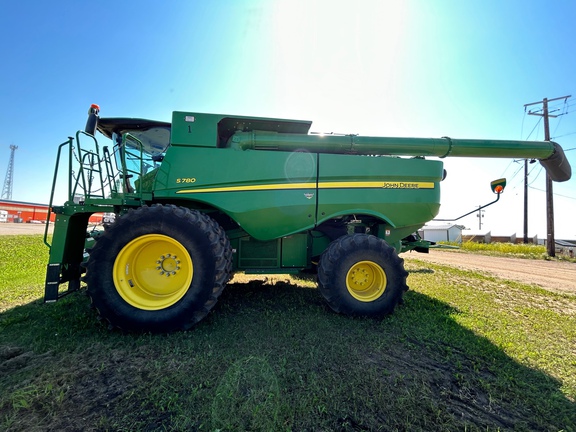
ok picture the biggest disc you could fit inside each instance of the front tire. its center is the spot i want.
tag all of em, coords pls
(361, 275)
(158, 269)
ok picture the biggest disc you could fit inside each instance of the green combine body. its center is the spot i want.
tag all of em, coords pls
(208, 195)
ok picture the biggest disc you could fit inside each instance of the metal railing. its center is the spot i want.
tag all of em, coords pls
(91, 174)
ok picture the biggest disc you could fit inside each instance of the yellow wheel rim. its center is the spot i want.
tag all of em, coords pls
(366, 281)
(153, 272)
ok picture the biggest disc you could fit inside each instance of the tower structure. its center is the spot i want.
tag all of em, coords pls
(7, 189)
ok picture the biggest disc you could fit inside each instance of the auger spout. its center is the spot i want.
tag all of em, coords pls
(549, 153)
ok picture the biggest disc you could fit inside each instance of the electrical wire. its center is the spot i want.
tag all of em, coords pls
(553, 193)
(520, 180)
(516, 173)
(560, 104)
(534, 166)
(560, 136)
(506, 169)
(537, 175)
(566, 109)
(557, 124)
(535, 126)
(566, 112)
(553, 106)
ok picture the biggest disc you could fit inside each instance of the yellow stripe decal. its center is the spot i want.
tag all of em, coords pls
(323, 185)
(253, 188)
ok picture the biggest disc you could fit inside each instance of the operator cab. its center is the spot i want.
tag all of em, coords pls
(139, 148)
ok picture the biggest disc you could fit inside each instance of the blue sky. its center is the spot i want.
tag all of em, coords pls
(423, 68)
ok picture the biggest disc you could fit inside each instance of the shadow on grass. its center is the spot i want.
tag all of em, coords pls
(422, 271)
(270, 357)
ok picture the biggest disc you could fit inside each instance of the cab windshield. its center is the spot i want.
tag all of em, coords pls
(139, 146)
(154, 141)
(138, 153)
(140, 150)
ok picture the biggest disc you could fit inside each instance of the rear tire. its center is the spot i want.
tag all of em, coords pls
(362, 275)
(158, 269)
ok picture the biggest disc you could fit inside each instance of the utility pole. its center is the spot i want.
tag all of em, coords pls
(479, 216)
(525, 201)
(526, 198)
(550, 240)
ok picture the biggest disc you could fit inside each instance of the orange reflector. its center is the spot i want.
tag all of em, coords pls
(498, 189)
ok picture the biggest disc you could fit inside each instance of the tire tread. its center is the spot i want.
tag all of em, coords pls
(153, 219)
(331, 282)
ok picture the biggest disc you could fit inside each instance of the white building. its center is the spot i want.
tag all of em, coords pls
(442, 233)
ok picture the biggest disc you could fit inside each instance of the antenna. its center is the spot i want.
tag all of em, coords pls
(7, 189)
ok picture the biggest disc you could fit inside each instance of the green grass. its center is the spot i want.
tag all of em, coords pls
(530, 251)
(23, 262)
(464, 352)
(526, 250)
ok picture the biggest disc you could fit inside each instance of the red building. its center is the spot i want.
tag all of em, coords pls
(26, 212)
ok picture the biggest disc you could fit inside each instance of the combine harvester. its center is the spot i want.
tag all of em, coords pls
(209, 194)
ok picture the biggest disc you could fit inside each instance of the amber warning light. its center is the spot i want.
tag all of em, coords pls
(94, 109)
(92, 121)
(498, 186)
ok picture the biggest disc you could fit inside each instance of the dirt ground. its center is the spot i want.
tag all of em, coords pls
(557, 276)
(23, 228)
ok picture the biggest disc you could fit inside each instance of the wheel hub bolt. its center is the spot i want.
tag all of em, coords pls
(168, 265)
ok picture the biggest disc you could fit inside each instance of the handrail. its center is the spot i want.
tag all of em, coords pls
(69, 142)
(109, 170)
(83, 155)
(89, 162)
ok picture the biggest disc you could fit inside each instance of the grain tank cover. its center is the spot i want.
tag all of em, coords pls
(214, 130)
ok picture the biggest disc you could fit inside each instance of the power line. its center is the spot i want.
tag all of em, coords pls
(541, 110)
(556, 194)
(554, 107)
(516, 173)
(564, 113)
(567, 110)
(537, 175)
(558, 124)
(560, 136)
(506, 169)
(535, 126)
(520, 181)
(534, 166)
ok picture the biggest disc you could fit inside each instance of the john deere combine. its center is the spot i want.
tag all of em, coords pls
(209, 194)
